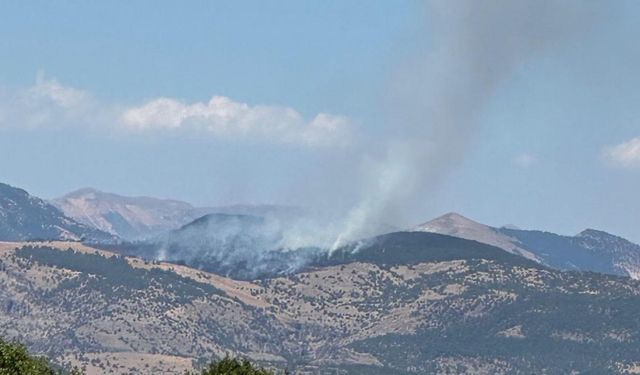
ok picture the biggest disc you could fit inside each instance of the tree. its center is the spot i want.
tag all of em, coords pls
(16, 360)
(233, 366)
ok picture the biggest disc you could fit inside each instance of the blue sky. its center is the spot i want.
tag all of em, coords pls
(305, 107)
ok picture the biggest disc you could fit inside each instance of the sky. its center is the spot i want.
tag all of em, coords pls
(395, 111)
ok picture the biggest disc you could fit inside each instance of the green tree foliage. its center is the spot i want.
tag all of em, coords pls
(16, 360)
(232, 366)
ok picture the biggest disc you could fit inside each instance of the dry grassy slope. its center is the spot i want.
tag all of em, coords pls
(339, 315)
(144, 326)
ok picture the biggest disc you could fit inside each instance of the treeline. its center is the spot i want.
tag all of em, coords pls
(113, 272)
(16, 360)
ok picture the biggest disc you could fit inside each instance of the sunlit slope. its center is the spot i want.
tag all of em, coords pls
(404, 303)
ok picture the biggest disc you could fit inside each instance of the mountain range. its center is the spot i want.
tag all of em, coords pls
(231, 239)
(590, 250)
(125, 217)
(449, 296)
(134, 218)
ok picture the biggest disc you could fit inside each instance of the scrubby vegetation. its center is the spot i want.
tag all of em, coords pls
(113, 273)
(232, 366)
(450, 306)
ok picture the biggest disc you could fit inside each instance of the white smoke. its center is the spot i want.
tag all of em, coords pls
(468, 49)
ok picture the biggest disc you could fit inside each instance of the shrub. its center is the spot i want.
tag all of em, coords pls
(233, 366)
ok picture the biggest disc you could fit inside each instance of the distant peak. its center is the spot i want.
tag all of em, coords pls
(453, 216)
(449, 220)
(83, 191)
(510, 226)
(6, 188)
(594, 233)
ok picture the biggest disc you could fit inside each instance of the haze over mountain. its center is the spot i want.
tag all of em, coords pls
(590, 250)
(25, 217)
(265, 241)
(239, 246)
(126, 217)
(246, 241)
(144, 217)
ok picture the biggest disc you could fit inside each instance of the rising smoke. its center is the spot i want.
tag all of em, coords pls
(468, 49)
(465, 51)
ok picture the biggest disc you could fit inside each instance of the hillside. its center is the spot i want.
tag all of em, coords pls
(25, 217)
(591, 250)
(404, 303)
(239, 246)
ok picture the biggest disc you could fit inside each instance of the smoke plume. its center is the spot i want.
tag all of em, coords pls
(437, 95)
(465, 51)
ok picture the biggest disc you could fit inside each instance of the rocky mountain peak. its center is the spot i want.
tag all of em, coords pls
(456, 225)
(451, 222)
(596, 234)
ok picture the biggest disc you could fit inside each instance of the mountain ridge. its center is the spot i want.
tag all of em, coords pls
(143, 217)
(589, 250)
(127, 217)
(26, 217)
(456, 225)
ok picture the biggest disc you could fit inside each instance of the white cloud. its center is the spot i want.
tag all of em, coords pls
(51, 89)
(525, 160)
(46, 104)
(50, 104)
(626, 154)
(223, 117)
